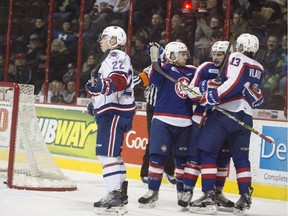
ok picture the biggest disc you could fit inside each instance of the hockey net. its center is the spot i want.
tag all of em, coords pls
(25, 160)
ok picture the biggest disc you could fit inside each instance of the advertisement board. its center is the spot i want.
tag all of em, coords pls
(70, 131)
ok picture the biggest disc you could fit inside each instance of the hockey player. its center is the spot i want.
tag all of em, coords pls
(202, 81)
(242, 76)
(142, 80)
(170, 128)
(113, 106)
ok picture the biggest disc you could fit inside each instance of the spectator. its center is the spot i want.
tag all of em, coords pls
(25, 74)
(139, 58)
(204, 32)
(65, 9)
(60, 57)
(70, 74)
(55, 89)
(178, 31)
(282, 65)
(35, 51)
(120, 9)
(40, 29)
(66, 34)
(88, 66)
(153, 32)
(238, 27)
(68, 95)
(214, 8)
(269, 58)
(102, 9)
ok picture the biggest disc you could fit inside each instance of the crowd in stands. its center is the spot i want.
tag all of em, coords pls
(267, 19)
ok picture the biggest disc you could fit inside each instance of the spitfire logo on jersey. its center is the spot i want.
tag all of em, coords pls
(113, 55)
(164, 148)
(180, 91)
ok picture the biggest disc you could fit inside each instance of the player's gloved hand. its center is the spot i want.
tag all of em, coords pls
(155, 51)
(209, 99)
(208, 84)
(253, 95)
(195, 94)
(101, 86)
(160, 48)
(90, 108)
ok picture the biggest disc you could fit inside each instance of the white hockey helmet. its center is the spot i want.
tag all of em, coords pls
(220, 46)
(117, 32)
(250, 43)
(175, 47)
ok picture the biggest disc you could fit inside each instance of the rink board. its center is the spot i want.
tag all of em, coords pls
(70, 134)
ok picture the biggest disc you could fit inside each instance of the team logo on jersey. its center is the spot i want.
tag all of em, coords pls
(113, 54)
(179, 89)
(164, 148)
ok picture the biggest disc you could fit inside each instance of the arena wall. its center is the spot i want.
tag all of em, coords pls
(70, 134)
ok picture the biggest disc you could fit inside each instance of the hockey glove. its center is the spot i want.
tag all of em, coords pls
(90, 108)
(101, 86)
(208, 84)
(158, 54)
(209, 99)
(254, 96)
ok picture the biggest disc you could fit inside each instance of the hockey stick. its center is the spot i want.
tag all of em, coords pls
(244, 5)
(244, 125)
(97, 67)
(159, 70)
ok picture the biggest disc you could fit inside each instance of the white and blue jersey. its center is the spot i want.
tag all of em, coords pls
(240, 70)
(121, 103)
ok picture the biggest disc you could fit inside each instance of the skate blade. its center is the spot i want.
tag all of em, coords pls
(239, 211)
(148, 205)
(225, 209)
(111, 211)
(183, 209)
(210, 209)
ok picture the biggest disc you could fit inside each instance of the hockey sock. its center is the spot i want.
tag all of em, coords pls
(191, 173)
(111, 168)
(155, 172)
(180, 165)
(208, 170)
(243, 174)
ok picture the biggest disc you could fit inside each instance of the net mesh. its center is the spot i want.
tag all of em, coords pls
(34, 167)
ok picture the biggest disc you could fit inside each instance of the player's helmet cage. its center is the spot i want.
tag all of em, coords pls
(175, 47)
(117, 32)
(250, 43)
(220, 46)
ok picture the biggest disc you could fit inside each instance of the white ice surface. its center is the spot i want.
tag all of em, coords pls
(91, 188)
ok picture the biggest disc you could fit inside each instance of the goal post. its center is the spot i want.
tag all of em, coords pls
(25, 160)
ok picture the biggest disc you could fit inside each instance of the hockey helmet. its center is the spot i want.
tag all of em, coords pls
(117, 32)
(175, 47)
(250, 43)
(220, 46)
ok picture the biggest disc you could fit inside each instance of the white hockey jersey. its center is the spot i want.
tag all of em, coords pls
(120, 102)
(239, 71)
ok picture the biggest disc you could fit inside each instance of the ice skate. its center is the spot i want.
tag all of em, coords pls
(148, 200)
(113, 203)
(223, 204)
(170, 178)
(185, 199)
(244, 203)
(205, 204)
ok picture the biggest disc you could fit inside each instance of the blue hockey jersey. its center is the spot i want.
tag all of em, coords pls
(173, 106)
